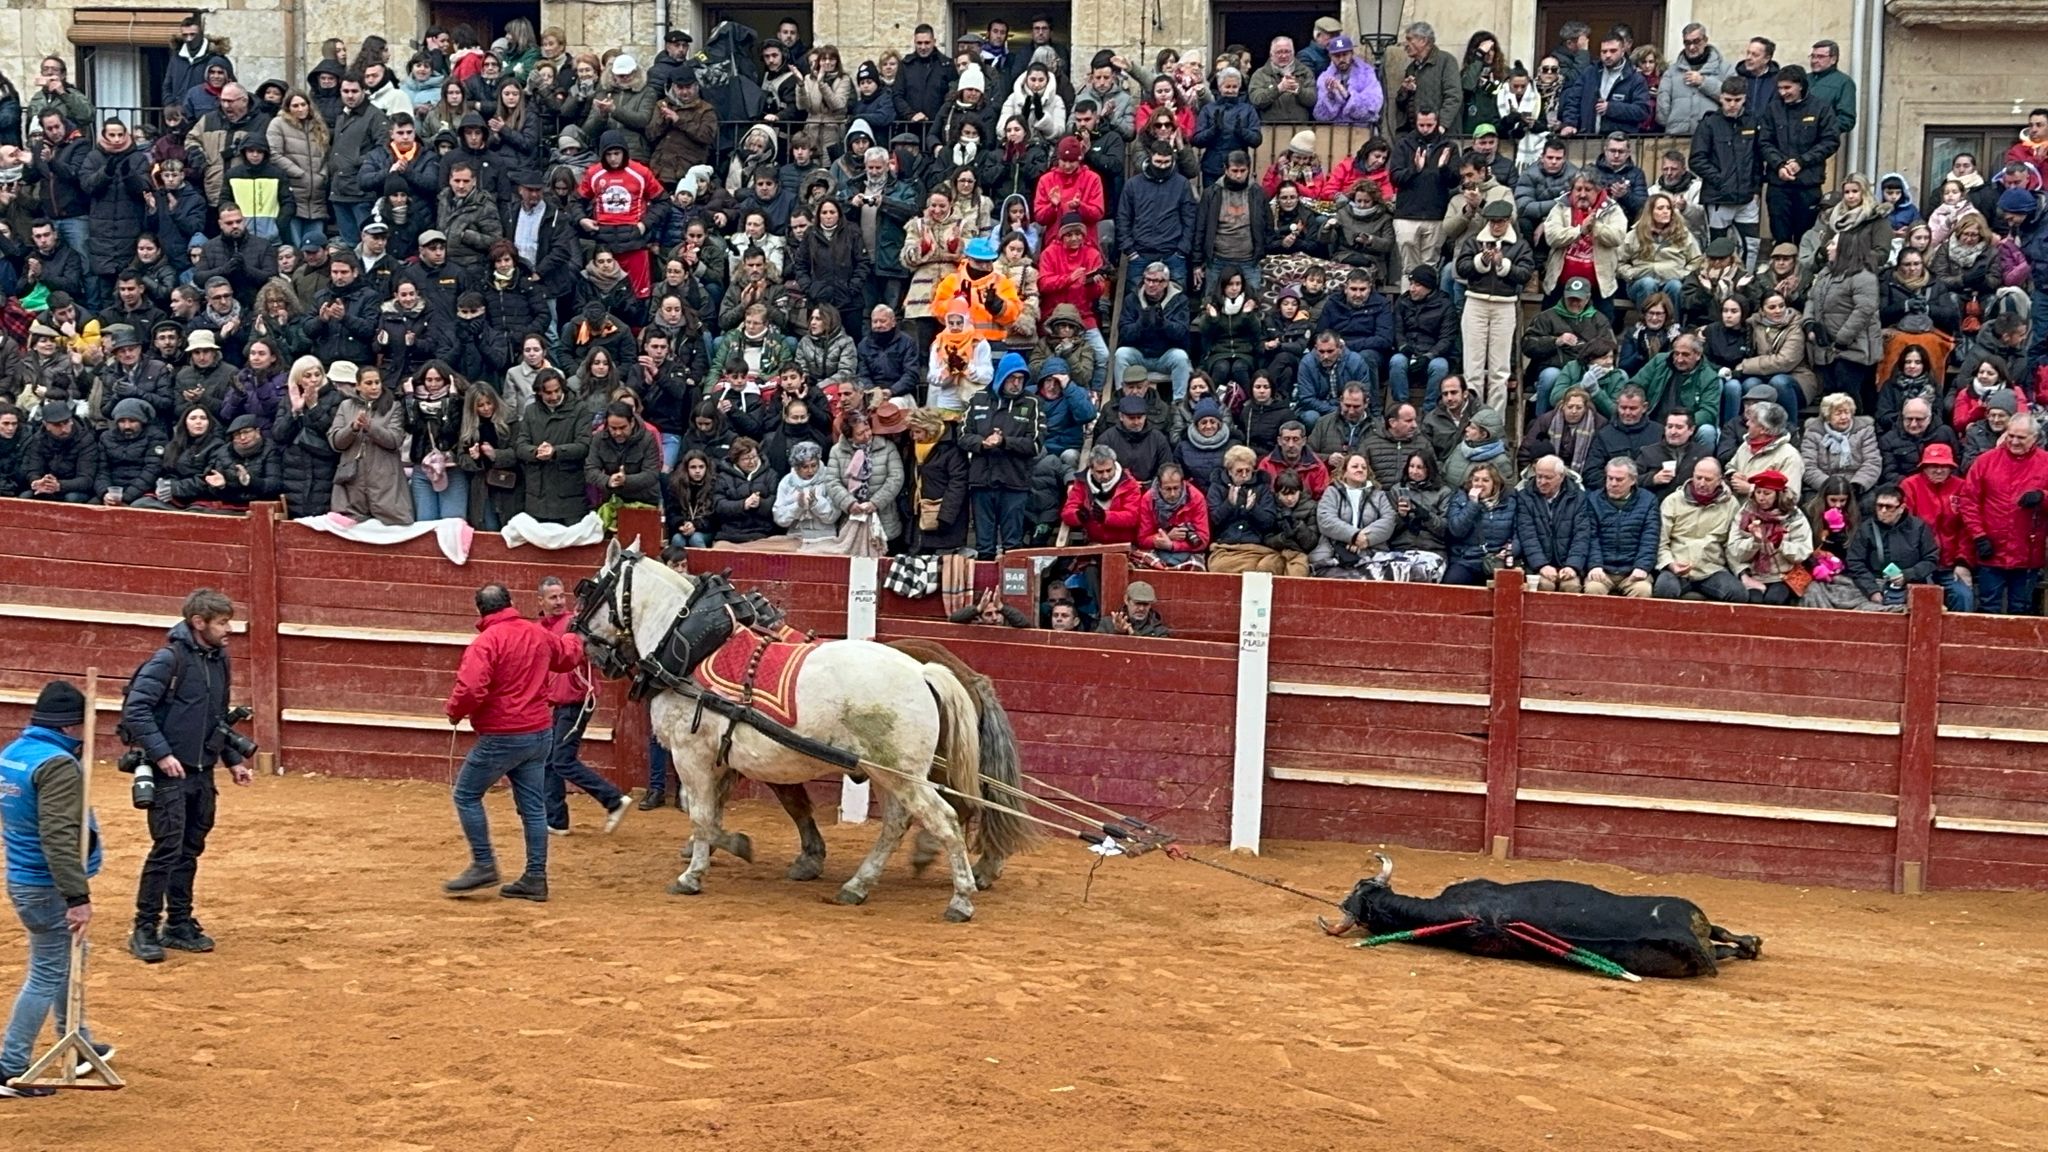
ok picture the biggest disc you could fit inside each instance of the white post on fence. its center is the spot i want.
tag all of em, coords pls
(1248, 774)
(862, 583)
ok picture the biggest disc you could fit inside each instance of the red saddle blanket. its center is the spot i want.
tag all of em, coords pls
(774, 677)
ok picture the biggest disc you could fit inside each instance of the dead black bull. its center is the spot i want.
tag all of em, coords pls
(1616, 935)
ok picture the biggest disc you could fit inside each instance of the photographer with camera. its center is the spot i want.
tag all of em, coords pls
(176, 716)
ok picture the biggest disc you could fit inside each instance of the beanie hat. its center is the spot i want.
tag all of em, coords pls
(134, 408)
(971, 77)
(393, 185)
(1303, 141)
(2017, 201)
(1205, 408)
(1071, 149)
(1424, 274)
(58, 705)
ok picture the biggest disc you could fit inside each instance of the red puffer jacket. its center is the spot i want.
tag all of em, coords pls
(1993, 489)
(502, 686)
(1115, 524)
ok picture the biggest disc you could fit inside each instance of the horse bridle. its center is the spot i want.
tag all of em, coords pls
(612, 587)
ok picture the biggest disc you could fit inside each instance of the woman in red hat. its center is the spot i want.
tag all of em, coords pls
(1768, 540)
(1934, 494)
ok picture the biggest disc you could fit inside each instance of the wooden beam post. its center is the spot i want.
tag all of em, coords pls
(1919, 717)
(1504, 714)
(264, 619)
(1248, 762)
(863, 594)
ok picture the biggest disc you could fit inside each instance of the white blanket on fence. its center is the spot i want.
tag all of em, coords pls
(454, 536)
(524, 529)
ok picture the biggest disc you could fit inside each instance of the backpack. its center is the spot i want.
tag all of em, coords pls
(121, 731)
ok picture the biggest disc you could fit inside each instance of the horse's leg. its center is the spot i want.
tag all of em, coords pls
(895, 821)
(704, 795)
(935, 815)
(810, 859)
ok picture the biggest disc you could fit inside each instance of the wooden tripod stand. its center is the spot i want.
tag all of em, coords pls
(59, 1067)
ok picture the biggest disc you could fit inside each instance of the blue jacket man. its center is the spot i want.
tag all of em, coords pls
(1629, 103)
(1364, 318)
(1622, 521)
(1225, 125)
(1322, 373)
(1155, 214)
(175, 704)
(42, 788)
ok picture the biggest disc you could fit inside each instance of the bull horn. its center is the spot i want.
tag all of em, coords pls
(1386, 868)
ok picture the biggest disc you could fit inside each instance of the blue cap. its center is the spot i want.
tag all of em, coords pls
(2017, 201)
(982, 249)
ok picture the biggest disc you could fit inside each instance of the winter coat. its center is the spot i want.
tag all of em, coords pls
(370, 481)
(1553, 533)
(116, 183)
(738, 524)
(1727, 156)
(1249, 518)
(264, 468)
(832, 270)
(884, 482)
(929, 254)
(1363, 240)
(1423, 191)
(1155, 217)
(129, 464)
(1667, 257)
(889, 362)
(682, 143)
(1006, 465)
(308, 460)
(1115, 522)
(554, 488)
(1629, 104)
(1361, 99)
(1806, 131)
(1623, 536)
(1697, 392)
(1154, 327)
(304, 163)
(1504, 282)
(1339, 524)
(1780, 350)
(1539, 338)
(354, 135)
(639, 457)
(1277, 107)
(1473, 530)
(254, 395)
(1367, 329)
(1909, 544)
(1316, 387)
(1389, 457)
(1862, 466)
(1693, 533)
(1538, 192)
(1846, 308)
(1610, 228)
(352, 336)
(1224, 125)
(942, 477)
(1426, 329)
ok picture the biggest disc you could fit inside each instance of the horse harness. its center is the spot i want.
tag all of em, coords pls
(716, 611)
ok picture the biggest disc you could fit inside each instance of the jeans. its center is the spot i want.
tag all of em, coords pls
(1101, 346)
(657, 765)
(1708, 437)
(2007, 590)
(671, 451)
(1174, 362)
(1789, 396)
(349, 219)
(76, 233)
(521, 757)
(2037, 334)
(998, 509)
(1213, 273)
(1642, 287)
(265, 227)
(1176, 267)
(1545, 380)
(178, 824)
(450, 503)
(1397, 380)
(298, 230)
(1731, 399)
(565, 765)
(1958, 596)
(41, 910)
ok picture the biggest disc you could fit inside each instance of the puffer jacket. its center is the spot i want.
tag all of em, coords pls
(1728, 158)
(129, 464)
(1473, 530)
(1846, 307)
(116, 183)
(1247, 520)
(355, 134)
(738, 524)
(1622, 536)
(1681, 106)
(1863, 465)
(1553, 533)
(308, 461)
(884, 482)
(293, 149)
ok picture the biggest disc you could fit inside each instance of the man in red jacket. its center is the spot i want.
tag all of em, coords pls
(502, 690)
(567, 694)
(2002, 507)
(1104, 503)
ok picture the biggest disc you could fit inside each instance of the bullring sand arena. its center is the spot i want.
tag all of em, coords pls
(353, 1008)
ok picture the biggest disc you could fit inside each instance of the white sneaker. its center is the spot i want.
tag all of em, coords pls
(619, 810)
(553, 831)
(106, 1052)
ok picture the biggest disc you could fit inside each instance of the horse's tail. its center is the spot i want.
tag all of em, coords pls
(980, 750)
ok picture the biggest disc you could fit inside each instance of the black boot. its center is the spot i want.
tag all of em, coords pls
(653, 798)
(145, 946)
(187, 937)
(473, 877)
(527, 887)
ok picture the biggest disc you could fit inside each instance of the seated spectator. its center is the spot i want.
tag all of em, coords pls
(1082, 348)
(1681, 380)
(1103, 504)
(62, 459)
(2001, 500)
(184, 478)
(1934, 495)
(1444, 427)
(939, 497)
(1173, 523)
(1323, 372)
(368, 431)
(1561, 333)
(1895, 549)
(1668, 463)
(1767, 446)
(960, 364)
(1565, 431)
(1290, 454)
(131, 452)
(1154, 330)
(1234, 330)
(1361, 231)
(1479, 527)
(1135, 382)
(869, 467)
(747, 491)
(1209, 438)
(797, 426)
(1138, 445)
(1425, 338)
(1622, 527)
(691, 504)
(1902, 447)
(1420, 502)
(1066, 409)
(1295, 533)
(1356, 520)
(1768, 538)
(1832, 520)
(1343, 432)
(1841, 443)
(1066, 616)
(809, 500)
(250, 467)
(1241, 516)
(1364, 319)
(886, 358)
(1912, 300)
(1389, 445)
(1629, 432)
(1585, 232)
(1483, 444)
(1658, 253)
(1912, 378)
(1140, 615)
(1692, 539)
(1983, 434)
(1265, 413)
(1988, 379)
(552, 442)
(1597, 370)
(1777, 334)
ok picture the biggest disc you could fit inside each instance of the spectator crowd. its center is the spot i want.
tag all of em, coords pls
(944, 304)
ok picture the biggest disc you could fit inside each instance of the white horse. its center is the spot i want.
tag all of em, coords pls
(884, 706)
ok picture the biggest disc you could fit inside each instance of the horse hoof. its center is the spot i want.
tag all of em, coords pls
(806, 868)
(959, 912)
(850, 897)
(686, 886)
(986, 875)
(743, 846)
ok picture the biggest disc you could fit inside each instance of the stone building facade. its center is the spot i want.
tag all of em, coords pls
(1955, 73)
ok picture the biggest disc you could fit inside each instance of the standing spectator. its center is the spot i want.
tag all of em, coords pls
(1428, 81)
(1830, 84)
(502, 689)
(1001, 434)
(360, 129)
(1425, 168)
(1494, 264)
(553, 443)
(1692, 84)
(1609, 97)
(1585, 232)
(367, 433)
(1226, 125)
(1692, 542)
(1542, 186)
(1847, 339)
(115, 174)
(299, 144)
(1758, 71)
(1348, 91)
(1284, 88)
(2002, 509)
(1155, 216)
(1934, 494)
(1799, 134)
(1356, 520)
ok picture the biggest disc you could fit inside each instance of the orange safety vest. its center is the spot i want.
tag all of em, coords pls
(990, 327)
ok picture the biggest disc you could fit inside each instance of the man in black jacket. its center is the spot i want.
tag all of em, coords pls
(131, 453)
(62, 460)
(545, 238)
(52, 263)
(1892, 550)
(887, 357)
(1230, 227)
(247, 261)
(1425, 170)
(927, 79)
(1001, 433)
(1798, 134)
(173, 711)
(1727, 156)
(344, 320)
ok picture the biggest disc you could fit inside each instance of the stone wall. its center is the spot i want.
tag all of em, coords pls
(1953, 78)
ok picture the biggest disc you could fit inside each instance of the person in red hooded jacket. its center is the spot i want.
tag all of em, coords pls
(1934, 493)
(502, 690)
(1104, 504)
(1069, 186)
(568, 693)
(619, 188)
(2002, 509)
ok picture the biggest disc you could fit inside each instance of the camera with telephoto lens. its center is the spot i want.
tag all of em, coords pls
(142, 793)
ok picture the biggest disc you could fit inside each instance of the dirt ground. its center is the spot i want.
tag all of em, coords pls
(352, 1007)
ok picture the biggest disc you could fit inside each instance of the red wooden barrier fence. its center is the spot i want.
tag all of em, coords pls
(1863, 749)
